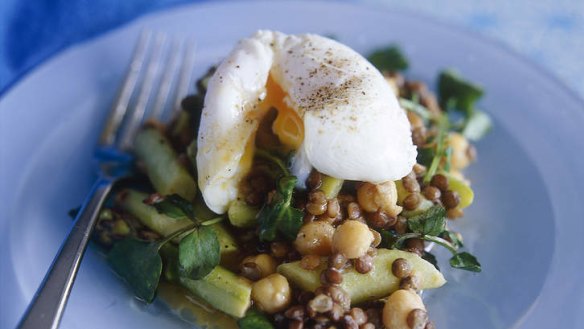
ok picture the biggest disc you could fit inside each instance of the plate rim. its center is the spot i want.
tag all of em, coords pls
(506, 51)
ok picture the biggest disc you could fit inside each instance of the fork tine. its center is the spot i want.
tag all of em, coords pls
(186, 75)
(136, 115)
(118, 110)
(168, 78)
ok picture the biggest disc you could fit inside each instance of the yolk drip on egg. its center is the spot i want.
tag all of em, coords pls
(288, 125)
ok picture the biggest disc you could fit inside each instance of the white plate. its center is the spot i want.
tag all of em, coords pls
(526, 226)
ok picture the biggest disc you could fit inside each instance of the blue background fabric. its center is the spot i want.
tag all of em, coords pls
(549, 32)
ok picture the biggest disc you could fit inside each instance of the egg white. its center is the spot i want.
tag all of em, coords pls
(354, 128)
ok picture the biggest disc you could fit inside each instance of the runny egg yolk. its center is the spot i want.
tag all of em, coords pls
(288, 125)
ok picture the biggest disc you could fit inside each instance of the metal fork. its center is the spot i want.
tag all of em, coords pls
(114, 157)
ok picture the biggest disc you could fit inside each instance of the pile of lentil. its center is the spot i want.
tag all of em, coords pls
(338, 233)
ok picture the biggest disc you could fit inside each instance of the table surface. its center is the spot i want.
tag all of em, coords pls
(548, 32)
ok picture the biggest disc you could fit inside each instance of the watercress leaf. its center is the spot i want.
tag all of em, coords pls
(477, 125)
(430, 258)
(139, 264)
(174, 206)
(389, 59)
(388, 238)
(453, 238)
(456, 93)
(275, 160)
(291, 223)
(429, 222)
(198, 253)
(425, 155)
(465, 261)
(254, 320)
(279, 215)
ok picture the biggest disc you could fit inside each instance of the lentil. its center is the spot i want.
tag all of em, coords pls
(412, 201)
(296, 324)
(279, 249)
(333, 208)
(314, 180)
(401, 226)
(295, 312)
(419, 136)
(376, 238)
(337, 312)
(410, 183)
(419, 169)
(320, 304)
(431, 193)
(363, 264)
(401, 268)
(337, 260)
(440, 181)
(450, 199)
(374, 316)
(380, 219)
(353, 210)
(358, 315)
(415, 245)
(334, 276)
(250, 271)
(349, 322)
(317, 203)
(339, 296)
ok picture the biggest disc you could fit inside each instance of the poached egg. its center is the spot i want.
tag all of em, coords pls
(334, 110)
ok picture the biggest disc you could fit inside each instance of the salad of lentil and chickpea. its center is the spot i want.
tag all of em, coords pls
(338, 254)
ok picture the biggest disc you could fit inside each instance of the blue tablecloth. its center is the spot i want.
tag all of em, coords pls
(550, 32)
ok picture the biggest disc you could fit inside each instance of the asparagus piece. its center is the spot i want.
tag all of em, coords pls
(166, 173)
(132, 201)
(378, 283)
(240, 214)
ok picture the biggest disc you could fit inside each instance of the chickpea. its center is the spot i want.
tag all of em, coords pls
(459, 145)
(264, 262)
(398, 307)
(352, 239)
(373, 197)
(315, 238)
(272, 293)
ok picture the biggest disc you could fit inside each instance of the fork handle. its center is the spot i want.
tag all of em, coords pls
(48, 303)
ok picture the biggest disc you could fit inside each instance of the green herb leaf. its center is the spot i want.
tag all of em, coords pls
(389, 59)
(279, 215)
(465, 261)
(425, 155)
(199, 253)
(430, 222)
(440, 148)
(452, 238)
(139, 264)
(254, 320)
(477, 126)
(456, 93)
(174, 206)
(416, 108)
(430, 258)
(275, 160)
